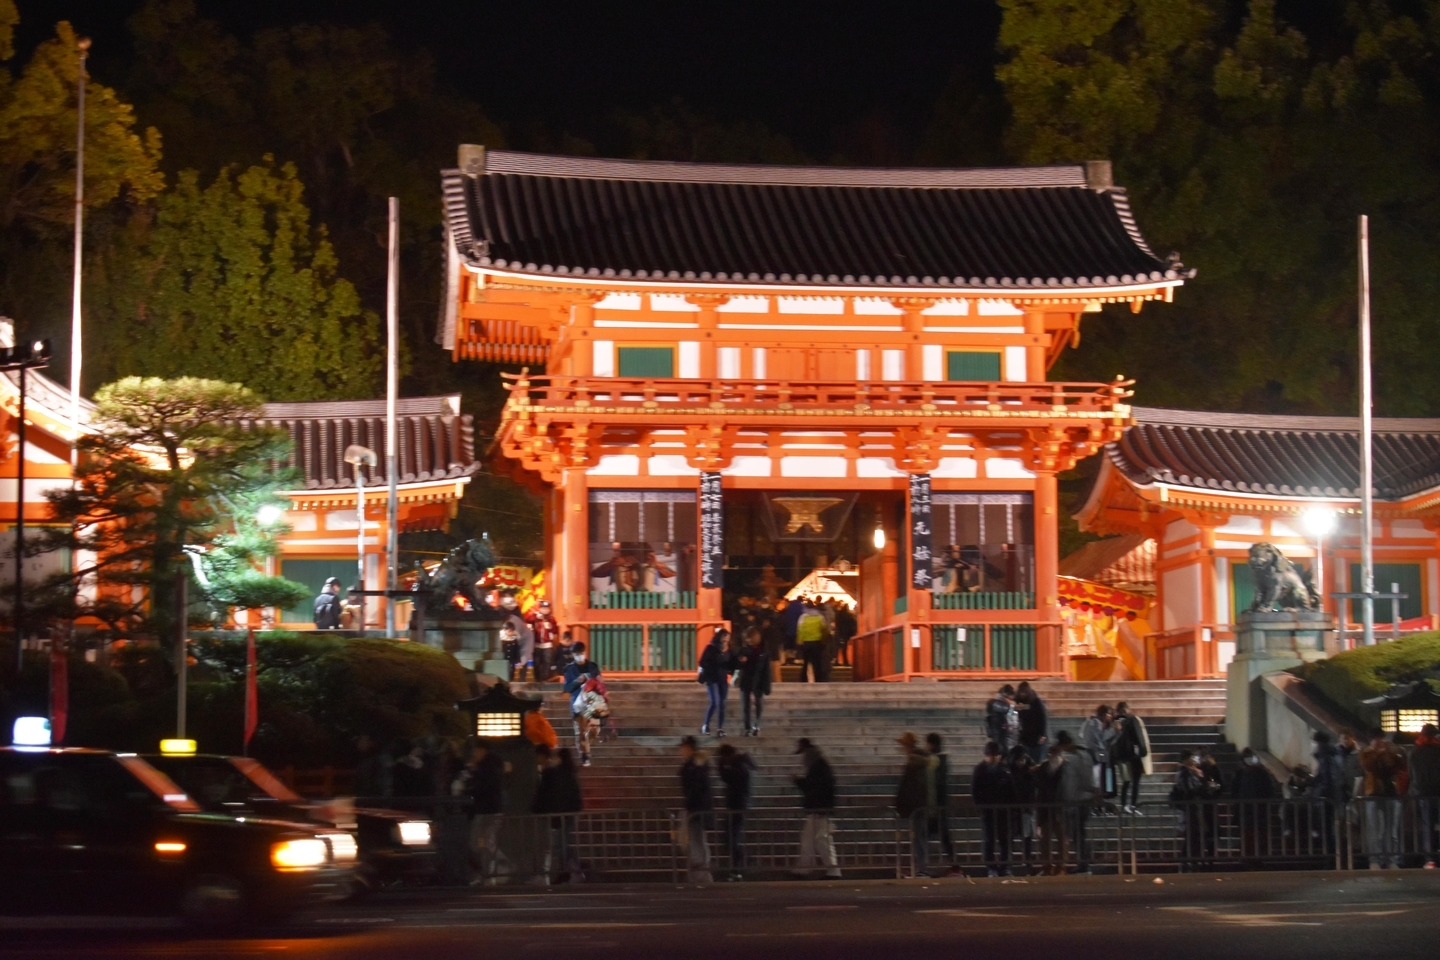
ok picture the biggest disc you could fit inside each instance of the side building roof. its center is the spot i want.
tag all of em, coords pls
(435, 440)
(1285, 456)
(1059, 227)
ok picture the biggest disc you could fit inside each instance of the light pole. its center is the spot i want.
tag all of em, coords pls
(32, 355)
(358, 456)
(1319, 522)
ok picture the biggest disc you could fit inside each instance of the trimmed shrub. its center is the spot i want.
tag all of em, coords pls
(1355, 675)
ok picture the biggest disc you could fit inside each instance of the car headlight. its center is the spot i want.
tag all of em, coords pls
(303, 854)
(414, 833)
(343, 848)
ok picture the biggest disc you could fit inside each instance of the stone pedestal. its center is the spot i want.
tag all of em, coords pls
(470, 636)
(1264, 643)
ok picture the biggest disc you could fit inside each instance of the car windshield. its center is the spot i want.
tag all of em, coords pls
(160, 785)
(217, 782)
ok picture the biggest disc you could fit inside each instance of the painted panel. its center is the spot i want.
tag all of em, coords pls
(760, 369)
(671, 303)
(748, 467)
(602, 362)
(1016, 365)
(670, 465)
(1179, 530)
(689, 358)
(1409, 529)
(877, 468)
(871, 307)
(1252, 526)
(1181, 590)
(619, 301)
(892, 365)
(834, 365)
(783, 363)
(616, 465)
(1406, 575)
(745, 305)
(1007, 468)
(862, 365)
(646, 362)
(971, 365)
(934, 362)
(811, 305)
(955, 468)
(814, 467)
(728, 363)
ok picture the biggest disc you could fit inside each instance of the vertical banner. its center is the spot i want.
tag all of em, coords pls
(920, 531)
(712, 532)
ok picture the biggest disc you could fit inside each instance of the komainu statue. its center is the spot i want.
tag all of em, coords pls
(457, 575)
(1279, 584)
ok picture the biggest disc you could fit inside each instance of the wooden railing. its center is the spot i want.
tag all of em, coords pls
(1185, 653)
(972, 650)
(669, 397)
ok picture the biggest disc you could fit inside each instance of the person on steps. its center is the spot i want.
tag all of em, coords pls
(992, 787)
(1130, 753)
(581, 673)
(754, 670)
(940, 802)
(736, 771)
(717, 662)
(1034, 721)
(699, 809)
(912, 799)
(817, 797)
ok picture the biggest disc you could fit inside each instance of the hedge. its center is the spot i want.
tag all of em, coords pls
(316, 694)
(1355, 675)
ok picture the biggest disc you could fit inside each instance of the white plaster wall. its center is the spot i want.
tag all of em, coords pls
(1181, 589)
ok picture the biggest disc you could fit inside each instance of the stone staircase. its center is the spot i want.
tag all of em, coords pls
(856, 725)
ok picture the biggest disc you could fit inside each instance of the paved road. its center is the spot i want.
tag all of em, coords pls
(1314, 916)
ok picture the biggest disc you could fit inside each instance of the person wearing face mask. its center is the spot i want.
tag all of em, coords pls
(1256, 790)
(581, 671)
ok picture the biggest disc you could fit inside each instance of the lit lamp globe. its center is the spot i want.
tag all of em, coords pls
(1319, 522)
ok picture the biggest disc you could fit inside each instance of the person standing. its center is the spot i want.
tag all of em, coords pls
(1050, 811)
(1077, 793)
(547, 633)
(699, 808)
(1186, 795)
(1328, 786)
(328, 607)
(1096, 734)
(1034, 720)
(558, 793)
(1002, 721)
(912, 798)
(940, 801)
(992, 787)
(754, 670)
(1130, 752)
(1255, 790)
(845, 628)
(1023, 773)
(716, 665)
(1425, 788)
(812, 635)
(1384, 767)
(736, 770)
(817, 797)
(581, 672)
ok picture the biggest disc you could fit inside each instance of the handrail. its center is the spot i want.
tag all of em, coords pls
(669, 396)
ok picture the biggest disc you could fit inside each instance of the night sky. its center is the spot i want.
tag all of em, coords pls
(805, 69)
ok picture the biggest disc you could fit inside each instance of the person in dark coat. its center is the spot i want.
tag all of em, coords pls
(327, 606)
(1022, 820)
(1186, 795)
(558, 792)
(912, 799)
(754, 667)
(1329, 786)
(940, 800)
(699, 804)
(409, 776)
(736, 770)
(481, 782)
(1256, 791)
(817, 797)
(1425, 788)
(1034, 721)
(1051, 823)
(717, 662)
(991, 786)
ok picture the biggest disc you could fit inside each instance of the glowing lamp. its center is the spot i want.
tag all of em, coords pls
(177, 748)
(31, 732)
(879, 538)
(269, 515)
(1318, 521)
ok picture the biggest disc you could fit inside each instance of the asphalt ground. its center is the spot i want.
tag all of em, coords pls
(1388, 914)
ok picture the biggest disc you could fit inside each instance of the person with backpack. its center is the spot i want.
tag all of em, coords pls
(1002, 720)
(812, 635)
(1386, 780)
(736, 771)
(717, 662)
(1130, 753)
(817, 797)
(753, 666)
(582, 676)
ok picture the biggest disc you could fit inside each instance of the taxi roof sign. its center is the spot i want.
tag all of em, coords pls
(31, 732)
(177, 748)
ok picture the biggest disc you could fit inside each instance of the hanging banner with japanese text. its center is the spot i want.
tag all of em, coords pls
(920, 531)
(712, 532)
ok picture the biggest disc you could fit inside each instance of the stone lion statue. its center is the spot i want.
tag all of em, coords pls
(459, 573)
(1279, 584)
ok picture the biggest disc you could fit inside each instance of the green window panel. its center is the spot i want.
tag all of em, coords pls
(898, 637)
(1407, 575)
(314, 573)
(984, 600)
(1012, 647)
(647, 362)
(969, 365)
(618, 646)
(672, 646)
(950, 652)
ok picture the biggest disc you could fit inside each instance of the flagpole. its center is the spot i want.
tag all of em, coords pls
(1367, 465)
(77, 353)
(392, 397)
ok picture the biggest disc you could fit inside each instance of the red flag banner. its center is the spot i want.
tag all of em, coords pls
(252, 706)
(59, 692)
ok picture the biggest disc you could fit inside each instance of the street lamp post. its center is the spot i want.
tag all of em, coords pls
(34, 355)
(358, 456)
(1319, 522)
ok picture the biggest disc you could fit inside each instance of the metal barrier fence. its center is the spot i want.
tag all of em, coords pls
(873, 841)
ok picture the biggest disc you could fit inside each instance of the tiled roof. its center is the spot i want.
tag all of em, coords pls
(1128, 559)
(1025, 227)
(435, 440)
(1276, 455)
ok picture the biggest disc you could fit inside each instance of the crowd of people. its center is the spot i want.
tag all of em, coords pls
(814, 632)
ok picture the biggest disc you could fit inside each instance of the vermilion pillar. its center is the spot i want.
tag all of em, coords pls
(1047, 570)
(572, 568)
